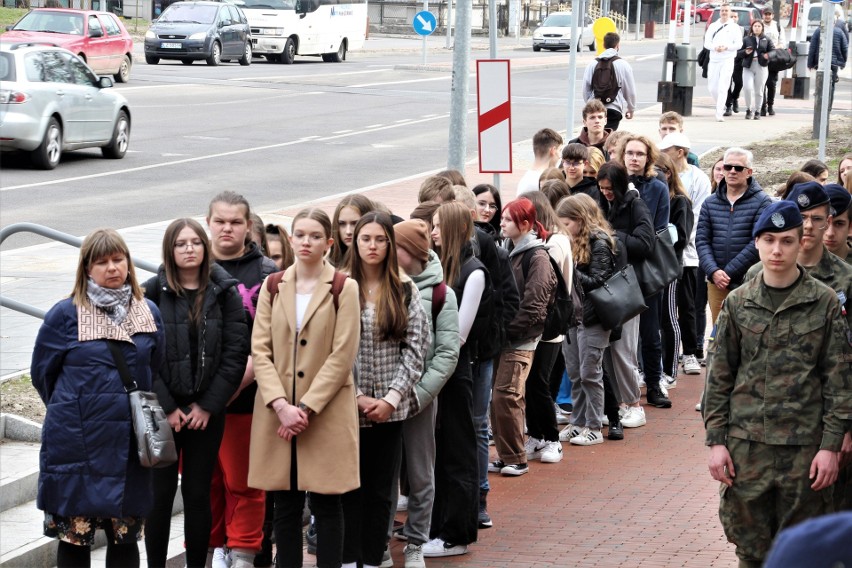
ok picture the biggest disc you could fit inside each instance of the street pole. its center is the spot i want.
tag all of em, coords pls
(687, 22)
(576, 13)
(449, 24)
(492, 53)
(459, 89)
(824, 78)
(425, 9)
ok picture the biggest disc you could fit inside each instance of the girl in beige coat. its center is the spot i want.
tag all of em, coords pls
(305, 428)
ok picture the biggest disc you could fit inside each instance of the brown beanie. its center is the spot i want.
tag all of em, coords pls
(413, 236)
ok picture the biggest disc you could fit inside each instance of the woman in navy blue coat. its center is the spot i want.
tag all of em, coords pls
(90, 476)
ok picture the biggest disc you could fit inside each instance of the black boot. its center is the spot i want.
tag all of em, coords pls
(736, 106)
(763, 110)
(748, 114)
(656, 398)
(769, 110)
(727, 111)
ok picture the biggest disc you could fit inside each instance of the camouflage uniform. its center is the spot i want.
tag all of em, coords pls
(778, 391)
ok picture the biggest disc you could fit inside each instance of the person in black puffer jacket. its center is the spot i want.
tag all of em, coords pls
(755, 58)
(207, 343)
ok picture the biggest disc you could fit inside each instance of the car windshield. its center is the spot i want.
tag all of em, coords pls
(558, 21)
(51, 22)
(189, 13)
(267, 4)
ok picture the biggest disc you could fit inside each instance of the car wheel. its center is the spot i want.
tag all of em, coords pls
(289, 53)
(151, 60)
(536, 48)
(215, 54)
(123, 74)
(47, 155)
(697, 18)
(117, 147)
(246, 58)
(337, 57)
(186, 61)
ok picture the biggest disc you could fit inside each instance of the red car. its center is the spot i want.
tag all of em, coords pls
(704, 11)
(99, 38)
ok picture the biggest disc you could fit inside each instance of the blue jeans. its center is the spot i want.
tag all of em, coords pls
(483, 378)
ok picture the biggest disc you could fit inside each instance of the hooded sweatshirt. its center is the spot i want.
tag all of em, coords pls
(625, 101)
(536, 291)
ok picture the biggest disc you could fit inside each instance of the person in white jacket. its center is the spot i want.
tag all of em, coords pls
(723, 38)
(624, 103)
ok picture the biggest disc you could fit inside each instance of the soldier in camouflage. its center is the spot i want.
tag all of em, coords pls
(837, 236)
(777, 397)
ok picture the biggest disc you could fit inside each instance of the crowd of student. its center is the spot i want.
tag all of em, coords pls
(360, 354)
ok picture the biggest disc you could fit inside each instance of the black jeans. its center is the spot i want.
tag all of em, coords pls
(769, 90)
(652, 345)
(736, 83)
(117, 555)
(199, 452)
(367, 510)
(700, 310)
(613, 119)
(287, 522)
(686, 309)
(455, 512)
(541, 418)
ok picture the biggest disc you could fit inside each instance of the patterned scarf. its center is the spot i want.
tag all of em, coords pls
(113, 301)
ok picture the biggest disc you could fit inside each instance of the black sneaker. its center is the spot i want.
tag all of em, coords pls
(515, 469)
(616, 432)
(567, 407)
(484, 518)
(736, 106)
(311, 538)
(656, 398)
(496, 466)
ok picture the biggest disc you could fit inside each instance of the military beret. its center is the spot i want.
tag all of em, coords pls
(780, 216)
(838, 197)
(822, 542)
(807, 195)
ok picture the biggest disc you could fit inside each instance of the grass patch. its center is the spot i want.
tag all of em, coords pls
(9, 16)
(135, 26)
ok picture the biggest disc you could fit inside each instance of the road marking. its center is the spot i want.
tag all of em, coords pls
(288, 77)
(362, 85)
(342, 131)
(144, 87)
(375, 126)
(646, 57)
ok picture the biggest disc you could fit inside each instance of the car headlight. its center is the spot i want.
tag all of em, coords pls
(150, 35)
(199, 35)
(537, 34)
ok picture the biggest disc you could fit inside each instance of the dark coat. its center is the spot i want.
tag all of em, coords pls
(593, 274)
(589, 186)
(631, 221)
(683, 219)
(88, 464)
(760, 45)
(839, 48)
(655, 193)
(723, 238)
(223, 344)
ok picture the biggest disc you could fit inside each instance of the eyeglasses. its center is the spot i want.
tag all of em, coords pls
(632, 154)
(729, 167)
(817, 221)
(486, 205)
(366, 240)
(572, 163)
(188, 245)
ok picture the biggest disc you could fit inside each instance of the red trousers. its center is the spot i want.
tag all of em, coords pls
(238, 509)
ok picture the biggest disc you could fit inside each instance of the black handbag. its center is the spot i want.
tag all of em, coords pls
(155, 443)
(661, 267)
(781, 59)
(619, 299)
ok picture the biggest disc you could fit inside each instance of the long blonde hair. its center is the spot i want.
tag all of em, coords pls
(582, 208)
(99, 244)
(456, 232)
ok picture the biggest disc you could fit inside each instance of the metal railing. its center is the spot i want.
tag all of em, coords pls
(55, 235)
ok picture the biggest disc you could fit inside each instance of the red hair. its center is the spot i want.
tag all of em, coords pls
(522, 210)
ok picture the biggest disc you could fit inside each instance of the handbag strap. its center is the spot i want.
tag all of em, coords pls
(121, 364)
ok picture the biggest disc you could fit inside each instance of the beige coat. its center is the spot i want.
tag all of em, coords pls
(313, 367)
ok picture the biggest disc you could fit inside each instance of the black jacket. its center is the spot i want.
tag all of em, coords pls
(589, 186)
(223, 344)
(592, 275)
(632, 222)
(682, 217)
(760, 45)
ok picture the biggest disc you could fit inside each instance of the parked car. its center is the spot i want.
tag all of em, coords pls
(680, 10)
(98, 38)
(744, 16)
(704, 11)
(814, 13)
(190, 31)
(555, 33)
(51, 101)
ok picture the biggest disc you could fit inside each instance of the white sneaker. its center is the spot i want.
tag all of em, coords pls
(533, 447)
(588, 437)
(220, 558)
(663, 387)
(668, 382)
(562, 417)
(569, 432)
(622, 411)
(552, 452)
(402, 503)
(241, 559)
(698, 406)
(605, 420)
(414, 556)
(387, 561)
(437, 547)
(634, 417)
(691, 366)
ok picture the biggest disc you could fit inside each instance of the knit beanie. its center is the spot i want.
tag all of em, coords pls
(413, 236)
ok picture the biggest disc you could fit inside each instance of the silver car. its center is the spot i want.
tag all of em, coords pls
(51, 102)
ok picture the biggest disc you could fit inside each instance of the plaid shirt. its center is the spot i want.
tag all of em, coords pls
(385, 365)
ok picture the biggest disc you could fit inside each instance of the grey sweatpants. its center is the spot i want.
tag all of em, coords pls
(621, 364)
(583, 357)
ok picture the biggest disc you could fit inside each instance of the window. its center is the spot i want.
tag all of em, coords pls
(111, 25)
(47, 67)
(7, 67)
(95, 27)
(225, 16)
(236, 16)
(80, 73)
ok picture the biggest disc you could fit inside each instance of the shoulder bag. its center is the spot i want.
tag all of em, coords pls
(661, 267)
(155, 443)
(619, 299)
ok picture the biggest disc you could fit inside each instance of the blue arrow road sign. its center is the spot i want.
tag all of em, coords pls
(424, 22)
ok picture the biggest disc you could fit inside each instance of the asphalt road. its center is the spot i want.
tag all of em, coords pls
(278, 134)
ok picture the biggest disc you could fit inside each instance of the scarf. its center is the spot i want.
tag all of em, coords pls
(113, 301)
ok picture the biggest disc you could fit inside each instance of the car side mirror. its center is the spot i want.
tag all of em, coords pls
(104, 82)
(10, 27)
(221, 24)
(96, 33)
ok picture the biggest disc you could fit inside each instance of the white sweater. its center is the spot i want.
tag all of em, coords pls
(729, 34)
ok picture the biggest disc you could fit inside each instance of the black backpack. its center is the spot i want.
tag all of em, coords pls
(604, 82)
(561, 315)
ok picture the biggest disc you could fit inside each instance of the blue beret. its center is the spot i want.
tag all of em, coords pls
(822, 542)
(807, 195)
(839, 198)
(780, 216)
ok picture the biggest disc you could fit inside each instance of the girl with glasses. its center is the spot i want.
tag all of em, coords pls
(207, 343)
(488, 203)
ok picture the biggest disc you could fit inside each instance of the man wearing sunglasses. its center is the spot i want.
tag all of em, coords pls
(725, 247)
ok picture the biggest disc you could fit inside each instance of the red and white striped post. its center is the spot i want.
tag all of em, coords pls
(494, 112)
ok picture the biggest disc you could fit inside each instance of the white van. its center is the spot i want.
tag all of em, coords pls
(813, 13)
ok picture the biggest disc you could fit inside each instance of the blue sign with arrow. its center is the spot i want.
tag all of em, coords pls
(424, 22)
